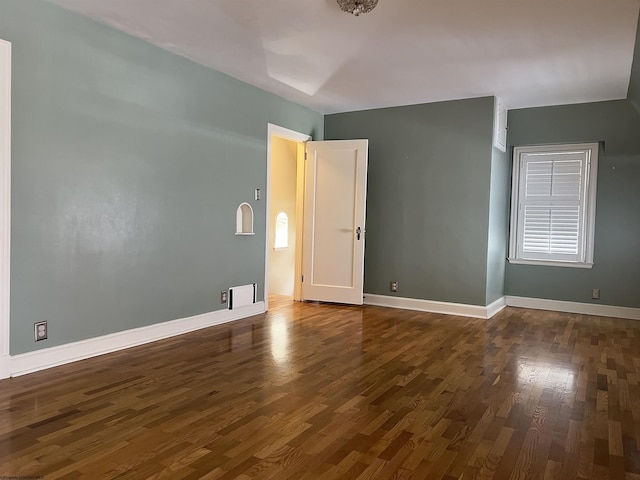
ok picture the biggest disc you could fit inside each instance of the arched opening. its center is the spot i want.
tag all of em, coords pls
(282, 231)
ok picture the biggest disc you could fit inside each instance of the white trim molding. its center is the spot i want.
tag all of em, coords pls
(72, 352)
(447, 308)
(286, 133)
(499, 125)
(5, 198)
(575, 307)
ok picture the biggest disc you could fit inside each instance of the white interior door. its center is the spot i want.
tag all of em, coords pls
(334, 216)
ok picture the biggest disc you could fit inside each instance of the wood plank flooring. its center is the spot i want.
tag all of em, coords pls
(312, 391)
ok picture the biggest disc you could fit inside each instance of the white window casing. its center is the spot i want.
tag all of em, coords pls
(553, 204)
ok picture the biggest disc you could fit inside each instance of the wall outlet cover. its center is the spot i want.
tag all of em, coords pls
(40, 331)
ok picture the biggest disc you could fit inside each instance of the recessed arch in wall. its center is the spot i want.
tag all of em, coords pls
(244, 219)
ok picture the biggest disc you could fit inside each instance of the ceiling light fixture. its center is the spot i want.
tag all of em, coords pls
(357, 6)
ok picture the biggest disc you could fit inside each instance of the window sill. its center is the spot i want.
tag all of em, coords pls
(549, 263)
(278, 249)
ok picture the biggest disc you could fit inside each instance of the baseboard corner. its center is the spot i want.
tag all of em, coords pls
(496, 307)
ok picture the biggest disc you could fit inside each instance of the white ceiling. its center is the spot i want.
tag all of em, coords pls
(527, 52)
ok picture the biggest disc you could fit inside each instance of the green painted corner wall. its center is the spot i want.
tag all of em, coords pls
(498, 231)
(633, 94)
(128, 164)
(428, 199)
(616, 269)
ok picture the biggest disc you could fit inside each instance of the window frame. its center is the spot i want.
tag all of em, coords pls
(586, 236)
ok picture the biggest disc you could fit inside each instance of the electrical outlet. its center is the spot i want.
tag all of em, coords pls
(223, 296)
(40, 331)
(393, 286)
(595, 294)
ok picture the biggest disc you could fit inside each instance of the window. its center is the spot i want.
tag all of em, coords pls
(553, 205)
(282, 231)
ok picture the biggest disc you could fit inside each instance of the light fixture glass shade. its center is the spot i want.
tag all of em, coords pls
(357, 6)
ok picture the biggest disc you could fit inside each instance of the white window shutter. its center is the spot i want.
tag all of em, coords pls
(552, 206)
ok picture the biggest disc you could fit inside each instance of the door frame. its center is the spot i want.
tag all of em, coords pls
(5, 203)
(299, 138)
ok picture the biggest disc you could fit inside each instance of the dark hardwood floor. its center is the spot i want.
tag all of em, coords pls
(337, 392)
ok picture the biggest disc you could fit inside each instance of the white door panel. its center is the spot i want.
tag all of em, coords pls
(335, 200)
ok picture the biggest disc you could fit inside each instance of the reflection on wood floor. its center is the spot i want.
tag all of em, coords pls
(338, 392)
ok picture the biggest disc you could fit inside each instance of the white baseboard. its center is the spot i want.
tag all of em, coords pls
(432, 306)
(13, 366)
(496, 307)
(507, 301)
(575, 307)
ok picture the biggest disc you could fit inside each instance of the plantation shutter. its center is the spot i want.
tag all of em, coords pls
(552, 205)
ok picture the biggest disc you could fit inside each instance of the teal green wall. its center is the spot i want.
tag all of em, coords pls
(128, 164)
(616, 269)
(428, 197)
(498, 232)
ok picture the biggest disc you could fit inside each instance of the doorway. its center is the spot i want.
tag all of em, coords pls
(333, 247)
(282, 216)
(285, 188)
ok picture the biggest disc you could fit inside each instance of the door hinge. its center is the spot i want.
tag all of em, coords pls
(302, 278)
(305, 155)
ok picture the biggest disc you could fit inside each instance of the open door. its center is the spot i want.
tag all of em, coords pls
(334, 221)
